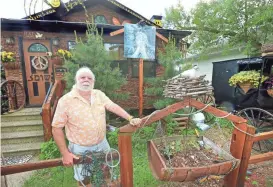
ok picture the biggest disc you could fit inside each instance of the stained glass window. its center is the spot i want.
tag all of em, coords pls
(37, 47)
(100, 19)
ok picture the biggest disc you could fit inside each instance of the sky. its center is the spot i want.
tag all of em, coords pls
(147, 8)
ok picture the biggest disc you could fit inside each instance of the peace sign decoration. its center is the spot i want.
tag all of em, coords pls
(40, 63)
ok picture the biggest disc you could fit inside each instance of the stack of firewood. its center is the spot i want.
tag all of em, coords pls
(179, 87)
(267, 49)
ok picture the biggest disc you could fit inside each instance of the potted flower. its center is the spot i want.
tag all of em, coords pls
(246, 80)
(60, 56)
(269, 86)
(8, 60)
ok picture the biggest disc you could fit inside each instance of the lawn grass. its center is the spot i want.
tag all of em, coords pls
(63, 177)
(52, 177)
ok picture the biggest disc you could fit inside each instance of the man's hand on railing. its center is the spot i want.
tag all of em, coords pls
(135, 122)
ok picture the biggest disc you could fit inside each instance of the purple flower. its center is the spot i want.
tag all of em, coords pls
(269, 83)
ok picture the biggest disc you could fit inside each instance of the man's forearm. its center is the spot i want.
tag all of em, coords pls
(118, 111)
(60, 139)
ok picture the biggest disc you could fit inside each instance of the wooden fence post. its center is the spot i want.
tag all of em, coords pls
(126, 159)
(236, 149)
(246, 155)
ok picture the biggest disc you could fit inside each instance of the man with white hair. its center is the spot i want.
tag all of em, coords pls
(82, 113)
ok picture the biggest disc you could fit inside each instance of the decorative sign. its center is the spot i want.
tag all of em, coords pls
(70, 5)
(39, 63)
(44, 77)
(60, 70)
(38, 35)
(37, 47)
(158, 22)
(139, 41)
(34, 35)
(41, 14)
(55, 3)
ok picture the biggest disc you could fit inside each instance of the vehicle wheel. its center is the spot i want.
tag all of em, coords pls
(12, 96)
(262, 120)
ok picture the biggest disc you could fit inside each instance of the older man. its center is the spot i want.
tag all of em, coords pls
(82, 113)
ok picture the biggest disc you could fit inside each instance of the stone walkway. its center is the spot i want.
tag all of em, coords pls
(18, 179)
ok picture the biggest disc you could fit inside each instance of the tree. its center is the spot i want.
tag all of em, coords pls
(91, 53)
(170, 57)
(225, 23)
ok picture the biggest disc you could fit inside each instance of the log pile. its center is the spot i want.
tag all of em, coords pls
(267, 49)
(179, 87)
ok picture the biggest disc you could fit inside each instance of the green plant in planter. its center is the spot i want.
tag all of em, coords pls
(251, 77)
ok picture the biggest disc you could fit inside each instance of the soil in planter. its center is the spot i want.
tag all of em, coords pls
(190, 154)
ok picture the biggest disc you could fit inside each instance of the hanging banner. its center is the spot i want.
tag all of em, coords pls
(139, 41)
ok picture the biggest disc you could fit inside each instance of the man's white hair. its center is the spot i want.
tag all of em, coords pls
(84, 70)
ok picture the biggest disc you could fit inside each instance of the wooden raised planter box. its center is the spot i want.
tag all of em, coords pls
(180, 174)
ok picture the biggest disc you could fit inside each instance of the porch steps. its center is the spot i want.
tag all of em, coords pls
(21, 132)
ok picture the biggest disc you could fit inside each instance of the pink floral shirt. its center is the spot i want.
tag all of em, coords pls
(84, 122)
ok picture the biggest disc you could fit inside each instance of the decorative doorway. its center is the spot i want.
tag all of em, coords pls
(38, 70)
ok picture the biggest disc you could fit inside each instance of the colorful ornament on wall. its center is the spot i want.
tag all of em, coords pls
(39, 63)
(55, 3)
(115, 21)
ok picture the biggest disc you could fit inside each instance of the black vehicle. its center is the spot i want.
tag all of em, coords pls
(228, 96)
(256, 105)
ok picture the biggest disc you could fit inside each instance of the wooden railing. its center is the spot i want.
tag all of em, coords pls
(247, 158)
(265, 156)
(49, 107)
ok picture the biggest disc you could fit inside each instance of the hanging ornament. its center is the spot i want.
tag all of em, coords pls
(40, 63)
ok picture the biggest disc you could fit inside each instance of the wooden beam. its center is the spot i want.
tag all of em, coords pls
(157, 115)
(263, 136)
(162, 37)
(217, 112)
(140, 89)
(236, 149)
(261, 158)
(126, 159)
(246, 155)
(117, 32)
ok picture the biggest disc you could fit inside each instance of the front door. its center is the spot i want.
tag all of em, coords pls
(38, 70)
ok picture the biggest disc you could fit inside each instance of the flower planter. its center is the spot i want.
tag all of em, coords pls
(11, 65)
(158, 163)
(270, 92)
(57, 61)
(245, 86)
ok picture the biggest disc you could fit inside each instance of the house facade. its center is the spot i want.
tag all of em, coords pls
(31, 39)
(205, 64)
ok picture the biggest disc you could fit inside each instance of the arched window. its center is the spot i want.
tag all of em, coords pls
(37, 47)
(100, 19)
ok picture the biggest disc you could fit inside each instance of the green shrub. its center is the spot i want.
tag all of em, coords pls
(49, 150)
